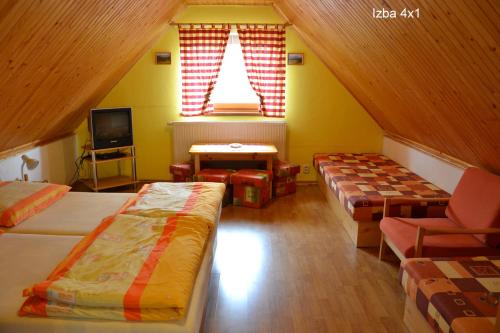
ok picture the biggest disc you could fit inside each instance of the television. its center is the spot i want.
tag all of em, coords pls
(111, 128)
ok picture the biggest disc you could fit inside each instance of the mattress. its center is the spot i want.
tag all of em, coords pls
(24, 263)
(321, 160)
(76, 213)
(361, 182)
(454, 294)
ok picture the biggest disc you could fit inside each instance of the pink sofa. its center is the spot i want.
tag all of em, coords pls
(468, 224)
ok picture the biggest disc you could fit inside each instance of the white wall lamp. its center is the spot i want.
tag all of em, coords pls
(30, 163)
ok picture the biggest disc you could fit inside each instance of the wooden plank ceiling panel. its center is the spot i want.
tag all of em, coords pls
(433, 79)
(230, 2)
(60, 58)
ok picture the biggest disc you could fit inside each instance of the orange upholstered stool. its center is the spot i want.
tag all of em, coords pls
(284, 181)
(217, 176)
(251, 187)
(182, 172)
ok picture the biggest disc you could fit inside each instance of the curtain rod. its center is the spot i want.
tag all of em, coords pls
(286, 24)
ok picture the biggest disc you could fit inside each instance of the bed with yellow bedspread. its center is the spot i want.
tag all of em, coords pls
(139, 265)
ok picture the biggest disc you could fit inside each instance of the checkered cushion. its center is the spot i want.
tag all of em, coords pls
(454, 294)
(321, 160)
(363, 185)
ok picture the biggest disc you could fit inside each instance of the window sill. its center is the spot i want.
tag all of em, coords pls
(236, 109)
(235, 113)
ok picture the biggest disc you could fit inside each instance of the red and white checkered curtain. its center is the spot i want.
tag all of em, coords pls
(202, 50)
(264, 53)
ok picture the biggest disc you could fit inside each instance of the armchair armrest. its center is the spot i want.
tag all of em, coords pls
(427, 231)
(415, 207)
(441, 231)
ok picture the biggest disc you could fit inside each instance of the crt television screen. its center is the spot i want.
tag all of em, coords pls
(111, 127)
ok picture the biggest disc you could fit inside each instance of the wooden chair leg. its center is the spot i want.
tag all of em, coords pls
(419, 242)
(382, 248)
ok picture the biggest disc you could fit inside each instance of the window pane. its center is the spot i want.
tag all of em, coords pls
(232, 85)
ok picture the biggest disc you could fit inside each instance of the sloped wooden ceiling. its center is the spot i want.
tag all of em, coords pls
(230, 2)
(60, 58)
(433, 79)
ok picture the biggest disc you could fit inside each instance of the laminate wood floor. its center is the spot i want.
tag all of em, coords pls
(291, 267)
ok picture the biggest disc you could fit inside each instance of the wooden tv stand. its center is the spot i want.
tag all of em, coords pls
(96, 183)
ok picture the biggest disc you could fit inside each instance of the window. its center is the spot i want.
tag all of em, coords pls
(202, 57)
(233, 93)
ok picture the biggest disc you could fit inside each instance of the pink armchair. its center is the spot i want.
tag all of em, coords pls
(466, 225)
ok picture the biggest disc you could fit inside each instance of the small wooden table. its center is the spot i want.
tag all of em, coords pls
(260, 152)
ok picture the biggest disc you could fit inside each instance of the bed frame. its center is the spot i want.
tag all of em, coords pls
(363, 234)
(416, 323)
(414, 320)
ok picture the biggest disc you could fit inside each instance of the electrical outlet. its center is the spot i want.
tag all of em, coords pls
(306, 169)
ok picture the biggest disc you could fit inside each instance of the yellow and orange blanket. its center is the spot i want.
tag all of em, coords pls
(21, 200)
(139, 265)
(162, 199)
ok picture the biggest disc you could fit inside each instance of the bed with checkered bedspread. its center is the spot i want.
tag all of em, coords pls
(362, 181)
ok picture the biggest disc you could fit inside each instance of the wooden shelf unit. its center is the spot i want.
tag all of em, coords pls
(101, 161)
(109, 182)
(96, 183)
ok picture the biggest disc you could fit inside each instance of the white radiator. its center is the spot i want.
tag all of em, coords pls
(187, 133)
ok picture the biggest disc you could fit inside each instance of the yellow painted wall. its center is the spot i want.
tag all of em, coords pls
(321, 114)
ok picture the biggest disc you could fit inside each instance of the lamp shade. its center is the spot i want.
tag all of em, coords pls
(31, 163)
